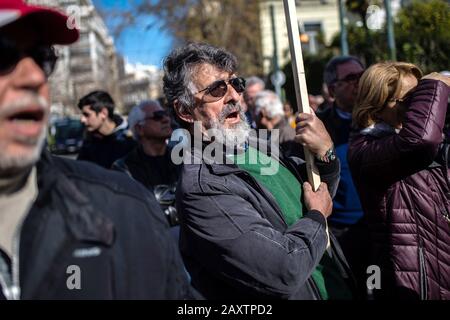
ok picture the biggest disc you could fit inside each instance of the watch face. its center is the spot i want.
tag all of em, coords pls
(331, 155)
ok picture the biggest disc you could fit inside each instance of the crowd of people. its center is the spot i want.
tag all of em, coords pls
(225, 210)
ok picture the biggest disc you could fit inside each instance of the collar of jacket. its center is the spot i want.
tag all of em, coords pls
(83, 221)
(119, 132)
(379, 130)
(121, 123)
(331, 114)
(224, 168)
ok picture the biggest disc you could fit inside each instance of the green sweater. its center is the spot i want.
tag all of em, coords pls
(287, 191)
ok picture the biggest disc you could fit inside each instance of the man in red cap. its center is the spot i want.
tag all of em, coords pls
(68, 230)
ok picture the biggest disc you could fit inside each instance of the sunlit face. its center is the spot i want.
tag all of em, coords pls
(24, 104)
(226, 110)
(156, 124)
(345, 89)
(92, 120)
(223, 114)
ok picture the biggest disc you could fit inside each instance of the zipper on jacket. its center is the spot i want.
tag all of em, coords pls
(315, 288)
(13, 289)
(445, 212)
(422, 273)
(5, 279)
(10, 281)
(15, 286)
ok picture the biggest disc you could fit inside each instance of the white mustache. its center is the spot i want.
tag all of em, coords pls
(228, 109)
(24, 104)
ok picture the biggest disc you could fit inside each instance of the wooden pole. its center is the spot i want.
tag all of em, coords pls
(301, 91)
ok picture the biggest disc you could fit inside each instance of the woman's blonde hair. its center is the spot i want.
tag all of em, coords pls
(380, 83)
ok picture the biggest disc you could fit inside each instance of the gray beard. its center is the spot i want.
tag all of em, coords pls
(233, 137)
(12, 163)
(15, 163)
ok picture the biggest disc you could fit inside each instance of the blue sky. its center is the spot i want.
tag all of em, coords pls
(138, 43)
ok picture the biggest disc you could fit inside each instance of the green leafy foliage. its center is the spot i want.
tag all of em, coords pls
(422, 34)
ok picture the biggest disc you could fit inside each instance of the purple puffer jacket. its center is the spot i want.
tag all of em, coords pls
(405, 194)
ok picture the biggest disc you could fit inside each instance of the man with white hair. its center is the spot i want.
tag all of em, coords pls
(253, 85)
(270, 115)
(149, 163)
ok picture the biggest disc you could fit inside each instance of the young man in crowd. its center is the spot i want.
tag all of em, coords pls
(107, 133)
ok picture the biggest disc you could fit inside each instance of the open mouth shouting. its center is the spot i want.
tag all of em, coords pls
(231, 114)
(25, 123)
(233, 117)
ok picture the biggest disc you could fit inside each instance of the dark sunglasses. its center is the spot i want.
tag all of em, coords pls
(402, 101)
(10, 55)
(220, 87)
(353, 77)
(158, 115)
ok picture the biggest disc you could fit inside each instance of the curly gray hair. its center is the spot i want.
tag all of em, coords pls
(180, 65)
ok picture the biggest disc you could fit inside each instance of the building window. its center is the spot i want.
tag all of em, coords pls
(312, 30)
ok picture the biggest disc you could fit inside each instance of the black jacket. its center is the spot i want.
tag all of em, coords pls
(150, 171)
(235, 241)
(105, 224)
(104, 150)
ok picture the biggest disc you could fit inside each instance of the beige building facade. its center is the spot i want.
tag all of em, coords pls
(89, 64)
(315, 17)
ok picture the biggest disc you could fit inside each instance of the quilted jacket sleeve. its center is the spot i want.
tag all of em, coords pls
(417, 143)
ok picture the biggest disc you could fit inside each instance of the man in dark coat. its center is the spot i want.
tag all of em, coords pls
(341, 77)
(68, 230)
(150, 162)
(107, 137)
(249, 228)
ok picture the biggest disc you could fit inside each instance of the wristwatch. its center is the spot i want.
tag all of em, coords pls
(329, 156)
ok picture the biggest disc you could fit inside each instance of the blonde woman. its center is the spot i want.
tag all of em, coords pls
(399, 165)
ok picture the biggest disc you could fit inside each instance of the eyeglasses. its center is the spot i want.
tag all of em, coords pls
(220, 87)
(402, 100)
(157, 115)
(352, 77)
(10, 55)
(398, 101)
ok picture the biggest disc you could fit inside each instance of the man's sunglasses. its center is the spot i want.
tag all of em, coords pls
(352, 77)
(219, 88)
(157, 115)
(10, 55)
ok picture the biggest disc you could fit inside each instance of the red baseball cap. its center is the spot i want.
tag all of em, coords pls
(52, 24)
